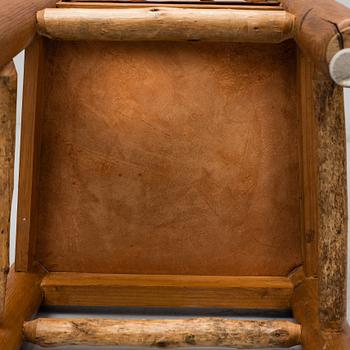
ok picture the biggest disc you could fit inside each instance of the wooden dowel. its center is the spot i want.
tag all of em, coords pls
(8, 93)
(166, 24)
(163, 333)
(17, 25)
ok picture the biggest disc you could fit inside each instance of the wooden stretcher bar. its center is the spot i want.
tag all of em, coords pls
(72, 289)
(166, 24)
(165, 333)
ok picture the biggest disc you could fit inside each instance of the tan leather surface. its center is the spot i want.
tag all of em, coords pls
(170, 158)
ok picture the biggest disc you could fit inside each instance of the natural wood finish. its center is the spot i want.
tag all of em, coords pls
(305, 311)
(166, 24)
(297, 276)
(338, 42)
(169, 291)
(308, 148)
(8, 90)
(183, 186)
(319, 28)
(164, 333)
(305, 306)
(17, 25)
(200, 5)
(26, 212)
(323, 117)
(243, 2)
(23, 297)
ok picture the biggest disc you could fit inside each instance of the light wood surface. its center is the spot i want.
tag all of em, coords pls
(166, 291)
(164, 333)
(8, 89)
(166, 24)
(17, 25)
(23, 297)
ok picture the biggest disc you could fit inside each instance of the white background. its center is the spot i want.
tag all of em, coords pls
(19, 60)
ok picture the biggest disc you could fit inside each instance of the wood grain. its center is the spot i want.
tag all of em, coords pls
(8, 92)
(243, 2)
(17, 25)
(179, 333)
(159, 177)
(305, 304)
(320, 28)
(166, 24)
(30, 142)
(321, 301)
(23, 298)
(305, 311)
(166, 291)
(309, 176)
(201, 4)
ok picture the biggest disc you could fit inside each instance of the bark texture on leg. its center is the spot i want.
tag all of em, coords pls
(8, 89)
(332, 203)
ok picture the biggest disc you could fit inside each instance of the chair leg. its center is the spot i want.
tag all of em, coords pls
(306, 311)
(23, 298)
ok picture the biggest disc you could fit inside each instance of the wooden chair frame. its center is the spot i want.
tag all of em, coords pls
(315, 292)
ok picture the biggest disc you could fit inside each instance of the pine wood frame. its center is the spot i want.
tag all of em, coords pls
(316, 293)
